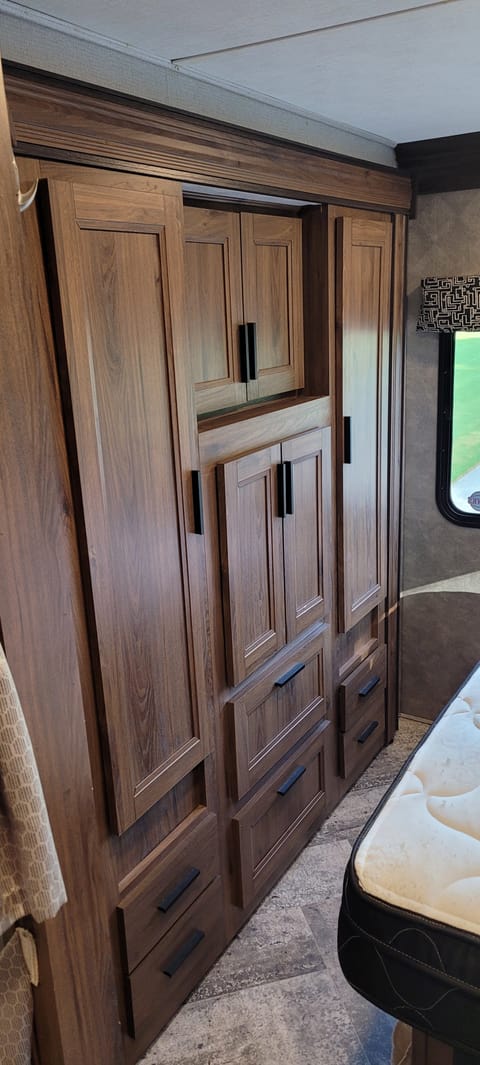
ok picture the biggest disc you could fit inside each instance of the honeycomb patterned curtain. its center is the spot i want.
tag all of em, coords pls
(30, 877)
(450, 303)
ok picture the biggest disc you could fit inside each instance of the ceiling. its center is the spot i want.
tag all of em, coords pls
(399, 70)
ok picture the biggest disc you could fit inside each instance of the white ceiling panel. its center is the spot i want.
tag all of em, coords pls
(410, 76)
(179, 28)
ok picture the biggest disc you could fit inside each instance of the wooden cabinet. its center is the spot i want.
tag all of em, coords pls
(362, 714)
(275, 510)
(118, 263)
(363, 308)
(244, 305)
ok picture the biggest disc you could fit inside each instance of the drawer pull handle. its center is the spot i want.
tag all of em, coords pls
(367, 732)
(252, 349)
(282, 489)
(284, 679)
(172, 966)
(244, 354)
(291, 780)
(198, 526)
(369, 687)
(347, 440)
(168, 900)
(289, 489)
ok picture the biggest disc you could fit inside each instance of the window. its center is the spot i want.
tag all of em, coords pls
(458, 450)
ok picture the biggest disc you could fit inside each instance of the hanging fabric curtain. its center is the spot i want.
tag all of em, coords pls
(450, 304)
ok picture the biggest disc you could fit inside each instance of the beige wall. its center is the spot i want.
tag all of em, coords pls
(440, 611)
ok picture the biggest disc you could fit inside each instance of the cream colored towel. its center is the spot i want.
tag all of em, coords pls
(18, 970)
(30, 877)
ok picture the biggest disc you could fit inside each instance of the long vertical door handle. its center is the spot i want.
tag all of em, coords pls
(252, 349)
(282, 489)
(244, 353)
(198, 525)
(347, 440)
(289, 490)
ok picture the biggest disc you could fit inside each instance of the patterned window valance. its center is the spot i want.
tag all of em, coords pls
(450, 303)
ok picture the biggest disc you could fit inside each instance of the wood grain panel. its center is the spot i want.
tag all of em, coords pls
(117, 336)
(59, 119)
(251, 540)
(270, 717)
(266, 826)
(39, 595)
(307, 530)
(363, 320)
(273, 299)
(214, 306)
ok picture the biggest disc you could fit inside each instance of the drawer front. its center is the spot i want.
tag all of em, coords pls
(361, 689)
(163, 893)
(270, 718)
(268, 827)
(163, 980)
(366, 737)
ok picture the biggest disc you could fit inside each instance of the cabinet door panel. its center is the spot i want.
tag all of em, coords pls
(363, 315)
(252, 560)
(214, 306)
(307, 530)
(272, 287)
(115, 260)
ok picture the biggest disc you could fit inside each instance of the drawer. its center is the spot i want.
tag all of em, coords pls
(163, 893)
(366, 737)
(162, 981)
(271, 716)
(361, 688)
(269, 828)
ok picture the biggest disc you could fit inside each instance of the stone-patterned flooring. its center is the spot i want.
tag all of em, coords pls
(277, 996)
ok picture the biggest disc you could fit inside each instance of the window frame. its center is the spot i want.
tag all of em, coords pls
(446, 366)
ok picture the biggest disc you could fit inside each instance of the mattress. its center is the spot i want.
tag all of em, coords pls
(409, 926)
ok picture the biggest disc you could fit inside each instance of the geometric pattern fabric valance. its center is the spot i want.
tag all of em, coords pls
(450, 303)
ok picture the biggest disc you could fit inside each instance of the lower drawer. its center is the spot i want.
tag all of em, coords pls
(159, 985)
(359, 745)
(268, 827)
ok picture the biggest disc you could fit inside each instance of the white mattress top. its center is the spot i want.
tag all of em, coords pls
(422, 852)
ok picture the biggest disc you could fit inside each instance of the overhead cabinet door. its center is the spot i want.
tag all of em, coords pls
(118, 261)
(244, 305)
(363, 319)
(275, 538)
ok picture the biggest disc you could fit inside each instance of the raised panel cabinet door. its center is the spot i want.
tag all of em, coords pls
(214, 306)
(273, 301)
(251, 542)
(118, 258)
(363, 330)
(307, 529)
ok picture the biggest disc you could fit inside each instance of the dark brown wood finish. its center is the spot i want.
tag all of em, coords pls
(214, 302)
(428, 1051)
(61, 119)
(364, 739)
(273, 295)
(41, 625)
(251, 537)
(442, 164)
(119, 333)
(307, 530)
(268, 826)
(362, 688)
(270, 716)
(363, 353)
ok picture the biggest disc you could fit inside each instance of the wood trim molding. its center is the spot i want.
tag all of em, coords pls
(442, 164)
(56, 118)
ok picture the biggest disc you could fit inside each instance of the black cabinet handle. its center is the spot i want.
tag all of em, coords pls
(289, 491)
(347, 440)
(168, 900)
(291, 780)
(282, 489)
(367, 732)
(369, 687)
(284, 679)
(244, 354)
(252, 350)
(174, 963)
(198, 526)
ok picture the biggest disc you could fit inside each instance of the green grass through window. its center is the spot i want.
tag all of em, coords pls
(466, 404)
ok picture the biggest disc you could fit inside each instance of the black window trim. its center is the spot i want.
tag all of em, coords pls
(444, 435)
